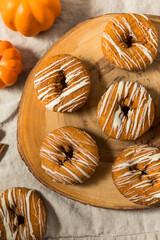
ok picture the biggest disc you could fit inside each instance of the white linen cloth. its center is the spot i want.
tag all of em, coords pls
(68, 219)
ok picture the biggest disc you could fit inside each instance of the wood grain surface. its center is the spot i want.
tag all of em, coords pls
(35, 121)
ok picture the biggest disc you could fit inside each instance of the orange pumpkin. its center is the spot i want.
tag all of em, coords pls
(10, 64)
(29, 17)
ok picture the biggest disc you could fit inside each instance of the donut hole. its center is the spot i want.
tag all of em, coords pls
(60, 162)
(143, 172)
(133, 168)
(129, 41)
(63, 80)
(68, 155)
(20, 220)
(125, 110)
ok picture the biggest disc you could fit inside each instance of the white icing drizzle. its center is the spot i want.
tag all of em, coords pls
(82, 160)
(131, 34)
(74, 100)
(50, 66)
(131, 58)
(4, 213)
(75, 80)
(118, 24)
(29, 214)
(23, 203)
(143, 16)
(131, 180)
(153, 36)
(129, 121)
(145, 51)
(134, 122)
(10, 199)
(145, 31)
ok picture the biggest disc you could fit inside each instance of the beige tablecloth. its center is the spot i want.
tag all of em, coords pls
(68, 219)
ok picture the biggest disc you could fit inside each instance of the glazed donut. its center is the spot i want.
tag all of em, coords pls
(125, 111)
(62, 83)
(136, 174)
(22, 215)
(69, 155)
(130, 41)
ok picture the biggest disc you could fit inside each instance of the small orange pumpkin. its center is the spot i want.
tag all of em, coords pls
(29, 17)
(10, 64)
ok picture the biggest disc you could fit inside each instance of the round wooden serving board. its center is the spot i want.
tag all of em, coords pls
(35, 121)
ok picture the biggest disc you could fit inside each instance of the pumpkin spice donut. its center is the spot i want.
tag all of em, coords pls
(136, 174)
(125, 111)
(130, 41)
(22, 215)
(62, 83)
(69, 155)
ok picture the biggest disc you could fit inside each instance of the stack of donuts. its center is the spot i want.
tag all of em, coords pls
(125, 112)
